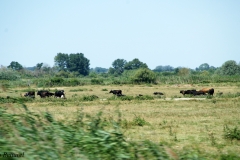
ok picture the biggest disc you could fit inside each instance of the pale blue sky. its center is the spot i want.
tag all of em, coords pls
(158, 32)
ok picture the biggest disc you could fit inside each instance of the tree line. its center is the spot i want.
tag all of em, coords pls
(76, 64)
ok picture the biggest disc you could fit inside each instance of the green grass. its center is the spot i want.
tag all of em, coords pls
(148, 126)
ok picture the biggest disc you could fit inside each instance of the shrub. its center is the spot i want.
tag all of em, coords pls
(96, 81)
(116, 82)
(230, 156)
(231, 133)
(138, 121)
(63, 74)
(89, 98)
(9, 74)
(73, 82)
(15, 99)
(144, 75)
(57, 80)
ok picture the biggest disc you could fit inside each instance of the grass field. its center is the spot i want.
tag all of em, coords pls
(194, 125)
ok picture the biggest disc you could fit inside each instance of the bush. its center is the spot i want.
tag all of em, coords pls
(63, 74)
(116, 82)
(89, 98)
(144, 75)
(57, 80)
(231, 133)
(231, 156)
(138, 121)
(15, 99)
(96, 81)
(73, 82)
(9, 74)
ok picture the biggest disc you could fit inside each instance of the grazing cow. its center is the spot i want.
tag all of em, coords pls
(60, 94)
(210, 91)
(158, 93)
(195, 93)
(116, 92)
(44, 93)
(188, 91)
(50, 94)
(30, 94)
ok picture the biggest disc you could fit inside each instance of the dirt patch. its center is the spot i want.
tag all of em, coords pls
(184, 99)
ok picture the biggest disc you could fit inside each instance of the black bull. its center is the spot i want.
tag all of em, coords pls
(30, 94)
(44, 94)
(187, 91)
(201, 92)
(116, 92)
(60, 94)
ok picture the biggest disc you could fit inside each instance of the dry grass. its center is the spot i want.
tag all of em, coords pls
(179, 124)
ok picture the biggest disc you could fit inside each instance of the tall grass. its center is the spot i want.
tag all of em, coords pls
(39, 136)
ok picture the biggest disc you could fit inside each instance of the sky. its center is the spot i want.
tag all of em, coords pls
(184, 33)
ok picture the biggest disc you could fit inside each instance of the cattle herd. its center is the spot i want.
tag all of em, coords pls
(61, 94)
(194, 92)
(45, 93)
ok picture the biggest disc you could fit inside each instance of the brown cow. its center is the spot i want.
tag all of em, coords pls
(210, 91)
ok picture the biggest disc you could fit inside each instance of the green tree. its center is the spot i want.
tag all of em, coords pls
(46, 68)
(39, 66)
(212, 69)
(118, 66)
(100, 70)
(203, 67)
(144, 75)
(61, 60)
(15, 66)
(230, 68)
(163, 68)
(135, 64)
(111, 70)
(78, 63)
(176, 70)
